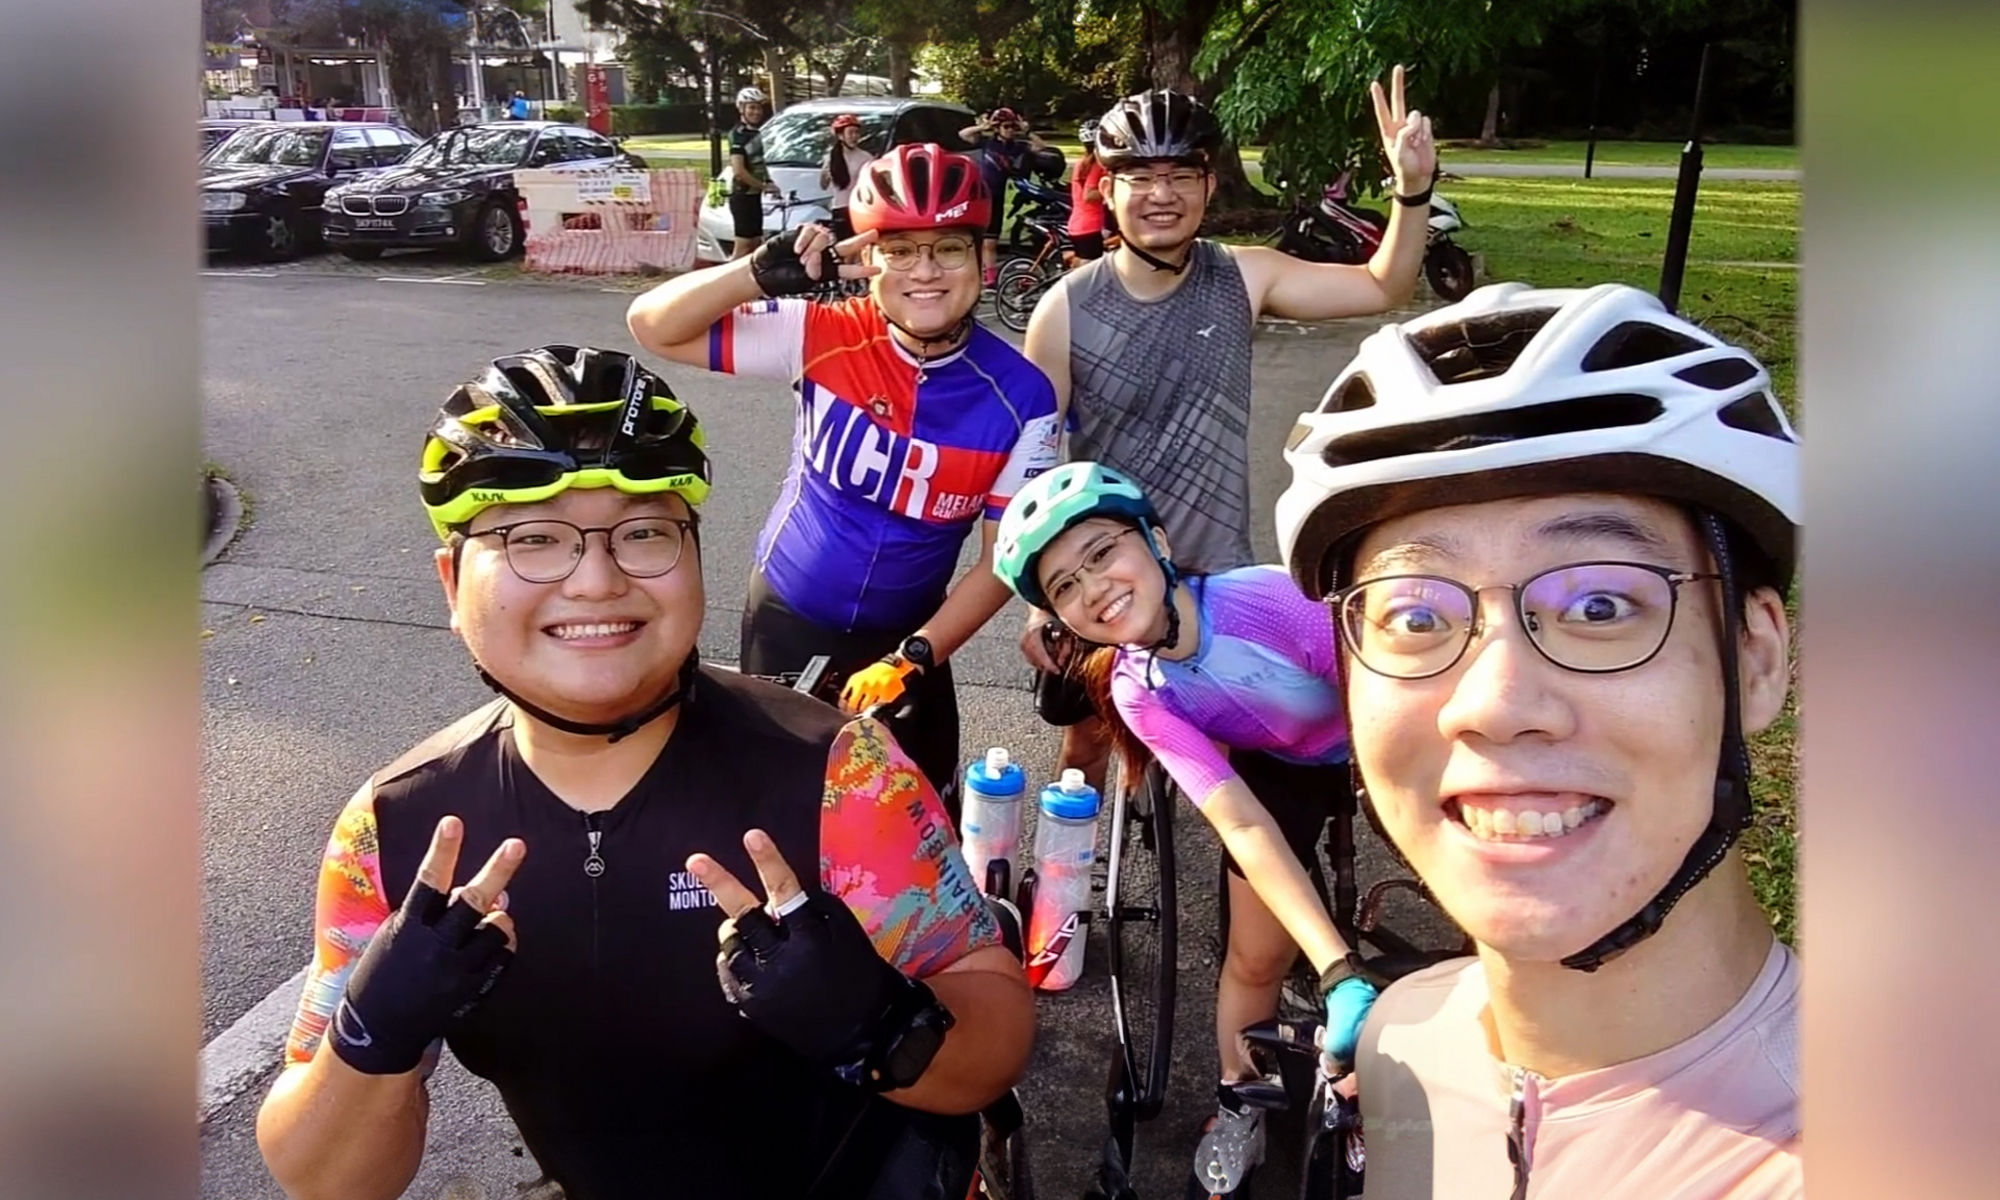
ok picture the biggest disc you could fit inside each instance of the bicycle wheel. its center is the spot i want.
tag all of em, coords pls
(1016, 291)
(1003, 1165)
(1139, 899)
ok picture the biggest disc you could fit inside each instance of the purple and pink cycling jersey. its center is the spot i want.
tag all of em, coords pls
(1264, 677)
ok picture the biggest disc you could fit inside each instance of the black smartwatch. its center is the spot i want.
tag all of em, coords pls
(917, 649)
(902, 1058)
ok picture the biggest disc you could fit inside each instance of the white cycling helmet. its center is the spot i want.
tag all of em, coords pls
(751, 95)
(1517, 391)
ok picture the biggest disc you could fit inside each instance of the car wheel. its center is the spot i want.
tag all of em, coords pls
(495, 233)
(277, 237)
(361, 253)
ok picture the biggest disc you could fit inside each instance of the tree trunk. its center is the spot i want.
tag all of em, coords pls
(1489, 133)
(774, 68)
(1173, 42)
(899, 68)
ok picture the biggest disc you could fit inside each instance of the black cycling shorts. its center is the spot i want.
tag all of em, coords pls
(746, 209)
(778, 641)
(1087, 245)
(1299, 797)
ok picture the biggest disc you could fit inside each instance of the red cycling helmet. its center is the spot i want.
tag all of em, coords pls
(1005, 116)
(844, 120)
(920, 185)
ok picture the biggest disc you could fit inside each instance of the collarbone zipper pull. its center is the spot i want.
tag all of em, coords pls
(593, 863)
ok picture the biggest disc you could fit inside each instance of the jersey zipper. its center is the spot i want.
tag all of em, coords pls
(593, 866)
(1517, 1132)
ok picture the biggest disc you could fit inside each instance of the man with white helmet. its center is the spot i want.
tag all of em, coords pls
(748, 181)
(1556, 529)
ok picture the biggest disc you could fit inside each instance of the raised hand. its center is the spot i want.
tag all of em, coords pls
(431, 962)
(798, 963)
(1406, 136)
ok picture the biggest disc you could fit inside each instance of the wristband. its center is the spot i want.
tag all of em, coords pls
(1421, 199)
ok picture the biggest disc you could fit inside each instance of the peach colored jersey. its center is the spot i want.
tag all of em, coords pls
(1715, 1116)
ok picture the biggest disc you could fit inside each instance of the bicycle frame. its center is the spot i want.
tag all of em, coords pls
(1135, 1090)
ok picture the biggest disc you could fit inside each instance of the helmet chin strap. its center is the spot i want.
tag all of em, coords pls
(951, 339)
(618, 730)
(1161, 264)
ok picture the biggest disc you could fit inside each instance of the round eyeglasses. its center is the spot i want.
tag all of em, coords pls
(1592, 617)
(547, 551)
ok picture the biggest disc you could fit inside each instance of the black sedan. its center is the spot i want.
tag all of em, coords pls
(262, 188)
(457, 189)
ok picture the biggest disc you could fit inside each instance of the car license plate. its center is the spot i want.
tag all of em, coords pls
(374, 222)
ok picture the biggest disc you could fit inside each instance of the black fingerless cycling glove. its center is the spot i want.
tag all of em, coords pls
(778, 270)
(813, 981)
(427, 966)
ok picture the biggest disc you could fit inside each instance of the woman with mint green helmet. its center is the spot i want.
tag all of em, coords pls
(1230, 681)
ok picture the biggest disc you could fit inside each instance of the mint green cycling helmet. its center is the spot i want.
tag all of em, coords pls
(1049, 504)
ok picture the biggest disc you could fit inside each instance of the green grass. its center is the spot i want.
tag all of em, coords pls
(1574, 232)
(1629, 154)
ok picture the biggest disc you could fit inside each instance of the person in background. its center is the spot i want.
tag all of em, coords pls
(518, 107)
(1003, 154)
(844, 161)
(1086, 200)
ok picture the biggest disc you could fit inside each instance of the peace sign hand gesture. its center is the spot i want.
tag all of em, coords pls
(1406, 137)
(799, 965)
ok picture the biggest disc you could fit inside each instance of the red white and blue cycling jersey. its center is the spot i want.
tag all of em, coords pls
(891, 465)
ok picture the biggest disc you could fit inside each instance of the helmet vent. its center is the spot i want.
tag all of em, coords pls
(1756, 413)
(1462, 351)
(1552, 419)
(1356, 394)
(1720, 374)
(1635, 343)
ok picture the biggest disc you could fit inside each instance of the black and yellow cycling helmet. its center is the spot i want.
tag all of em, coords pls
(539, 422)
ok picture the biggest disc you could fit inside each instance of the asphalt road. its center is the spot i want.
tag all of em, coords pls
(327, 655)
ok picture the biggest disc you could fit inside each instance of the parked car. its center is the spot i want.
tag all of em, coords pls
(262, 187)
(795, 144)
(457, 189)
(216, 130)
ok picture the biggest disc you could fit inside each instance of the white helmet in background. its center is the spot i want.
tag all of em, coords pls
(1517, 391)
(752, 95)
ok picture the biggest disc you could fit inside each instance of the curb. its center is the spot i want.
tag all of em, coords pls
(249, 1049)
(223, 510)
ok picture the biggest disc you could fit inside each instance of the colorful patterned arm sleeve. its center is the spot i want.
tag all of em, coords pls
(1192, 759)
(349, 909)
(887, 850)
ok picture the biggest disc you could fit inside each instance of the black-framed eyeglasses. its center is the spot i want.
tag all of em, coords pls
(1069, 585)
(1185, 180)
(1591, 617)
(547, 550)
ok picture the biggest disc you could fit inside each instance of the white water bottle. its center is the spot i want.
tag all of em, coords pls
(990, 823)
(1065, 849)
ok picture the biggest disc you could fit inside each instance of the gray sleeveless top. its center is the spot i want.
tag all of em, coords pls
(1161, 390)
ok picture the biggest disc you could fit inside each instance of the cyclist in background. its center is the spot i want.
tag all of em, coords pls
(844, 162)
(1230, 681)
(749, 182)
(1086, 200)
(916, 425)
(1003, 155)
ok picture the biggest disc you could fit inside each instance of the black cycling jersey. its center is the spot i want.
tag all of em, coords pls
(609, 1039)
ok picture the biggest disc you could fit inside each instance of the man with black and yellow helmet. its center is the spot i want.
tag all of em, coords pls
(537, 884)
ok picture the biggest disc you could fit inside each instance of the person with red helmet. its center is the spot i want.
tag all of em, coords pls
(916, 424)
(845, 159)
(1003, 154)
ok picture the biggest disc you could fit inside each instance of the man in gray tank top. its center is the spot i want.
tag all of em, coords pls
(1149, 348)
